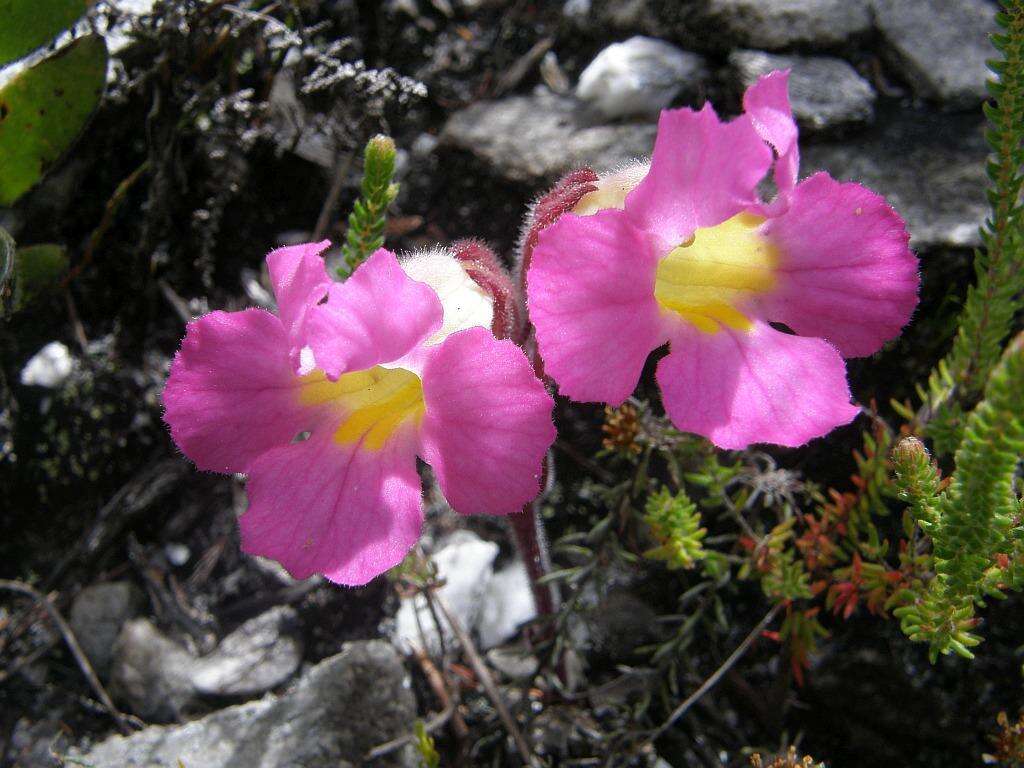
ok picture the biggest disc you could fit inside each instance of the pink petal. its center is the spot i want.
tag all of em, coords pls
(377, 315)
(231, 393)
(487, 424)
(767, 104)
(757, 386)
(299, 278)
(846, 272)
(590, 291)
(702, 172)
(321, 507)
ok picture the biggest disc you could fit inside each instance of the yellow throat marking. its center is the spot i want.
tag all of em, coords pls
(376, 402)
(706, 279)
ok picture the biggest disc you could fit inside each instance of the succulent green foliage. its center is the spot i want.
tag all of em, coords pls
(974, 524)
(37, 269)
(369, 214)
(675, 524)
(775, 561)
(429, 757)
(28, 24)
(44, 108)
(956, 383)
(917, 480)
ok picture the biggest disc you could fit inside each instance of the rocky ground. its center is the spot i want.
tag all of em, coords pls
(215, 659)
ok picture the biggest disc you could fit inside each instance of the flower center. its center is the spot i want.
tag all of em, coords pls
(375, 402)
(708, 279)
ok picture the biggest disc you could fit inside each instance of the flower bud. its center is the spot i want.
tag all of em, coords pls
(909, 451)
(486, 271)
(562, 197)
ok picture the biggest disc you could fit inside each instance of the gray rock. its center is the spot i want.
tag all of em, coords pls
(97, 615)
(616, 625)
(536, 138)
(930, 167)
(619, 15)
(37, 744)
(336, 713)
(160, 679)
(940, 46)
(515, 663)
(261, 654)
(640, 76)
(826, 93)
(777, 24)
(151, 673)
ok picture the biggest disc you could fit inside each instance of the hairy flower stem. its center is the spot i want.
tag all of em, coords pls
(527, 525)
(528, 530)
(511, 322)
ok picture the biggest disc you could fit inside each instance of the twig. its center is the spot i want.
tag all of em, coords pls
(570, 450)
(323, 221)
(23, 662)
(258, 603)
(76, 324)
(178, 304)
(485, 679)
(522, 66)
(108, 218)
(439, 685)
(21, 588)
(712, 681)
(136, 495)
(430, 726)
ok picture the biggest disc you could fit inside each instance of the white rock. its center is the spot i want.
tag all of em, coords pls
(466, 563)
(638, 77)
(508, 603)
(49, 367)
(515, 663)
(118, 37)
(576, 10)
(177, 554)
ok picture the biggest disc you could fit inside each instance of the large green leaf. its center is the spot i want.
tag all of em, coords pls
(43, 109)
(37, 270)
(27, 24)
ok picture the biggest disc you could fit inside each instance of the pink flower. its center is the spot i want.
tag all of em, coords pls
(326, 405)
(685, 252)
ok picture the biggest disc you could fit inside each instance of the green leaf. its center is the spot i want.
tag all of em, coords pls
(6, 272)
(28, 24)
(44, 108)
(37, 270)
